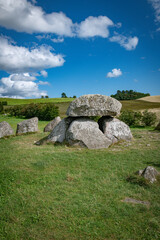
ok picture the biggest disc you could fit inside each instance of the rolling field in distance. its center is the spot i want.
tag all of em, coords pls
(63, 103)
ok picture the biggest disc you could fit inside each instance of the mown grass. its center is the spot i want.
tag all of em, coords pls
(58, 192)
(12, 101)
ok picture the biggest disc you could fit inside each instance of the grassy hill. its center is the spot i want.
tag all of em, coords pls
(151, 98)
(63, 103)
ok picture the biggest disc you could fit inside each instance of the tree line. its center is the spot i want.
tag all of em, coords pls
(129, 95)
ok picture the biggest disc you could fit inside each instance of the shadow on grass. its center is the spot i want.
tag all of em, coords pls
(155, 164)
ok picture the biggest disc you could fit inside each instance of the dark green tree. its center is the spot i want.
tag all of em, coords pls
(63, 95)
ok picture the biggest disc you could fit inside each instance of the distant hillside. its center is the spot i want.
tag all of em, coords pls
(151, 98)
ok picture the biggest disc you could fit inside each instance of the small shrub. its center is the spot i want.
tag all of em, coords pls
(1, 107)
(131, 118)
(44, 112)
(148, 118)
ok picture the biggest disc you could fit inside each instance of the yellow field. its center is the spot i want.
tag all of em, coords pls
(151, 98)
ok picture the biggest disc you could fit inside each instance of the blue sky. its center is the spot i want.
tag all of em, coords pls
(79, 47)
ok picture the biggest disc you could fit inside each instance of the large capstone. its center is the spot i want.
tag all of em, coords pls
(114, 129)
(27, 126)
(5, 129)
(51, 125)
(94, 105)
(86, 133)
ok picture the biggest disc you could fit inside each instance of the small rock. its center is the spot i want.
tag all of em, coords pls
(150, 173)
(5, 129)
(135, 201)
(148, 145)
(51, 125)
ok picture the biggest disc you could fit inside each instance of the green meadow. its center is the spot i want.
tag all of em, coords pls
(57, 192)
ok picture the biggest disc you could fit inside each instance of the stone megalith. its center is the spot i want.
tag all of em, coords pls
(58, 134)
(94, 105)
(27, 126)
(5, 129)
(86, 133)
(51, 125)
(114, 129)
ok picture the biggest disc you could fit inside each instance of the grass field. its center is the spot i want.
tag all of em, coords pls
(63, 103)
(62, 193)
(12, 101)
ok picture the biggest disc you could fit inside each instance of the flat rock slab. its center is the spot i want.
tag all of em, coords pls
(5, 129)
(94, 105)
(51, 125)
(27, 126)
(135, 201)
(86, 133)
(114, 129)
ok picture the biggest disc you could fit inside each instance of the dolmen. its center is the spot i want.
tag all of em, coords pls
(78, 129)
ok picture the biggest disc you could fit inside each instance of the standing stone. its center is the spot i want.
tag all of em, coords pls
(5, 129)
(51, 125)
(94, 105)
(86, 133)
(114, 129)
(27, 126)
(58, 134)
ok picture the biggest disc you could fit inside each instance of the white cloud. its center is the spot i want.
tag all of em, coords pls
(44, 73)
(24, 16)
(94, 26)
(57, 40)
(21, 59)
(129, 43)
(156, 7)
(43, 83)
(20, 86)
(114, 73)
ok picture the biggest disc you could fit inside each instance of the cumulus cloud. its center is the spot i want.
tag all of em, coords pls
(129, 43)
(94, 26)
(20, 86)
(20, 59)
(44, 73)
(114, 73)
(24, 16)
(156, 7)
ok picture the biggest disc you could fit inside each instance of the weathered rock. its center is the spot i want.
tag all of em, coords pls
(51, 125)
(114, 129)
(94, 105)
(27, 126)
(150, 173)
(158, 127)
(5, 129)
(58, 134)
(86, 133)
